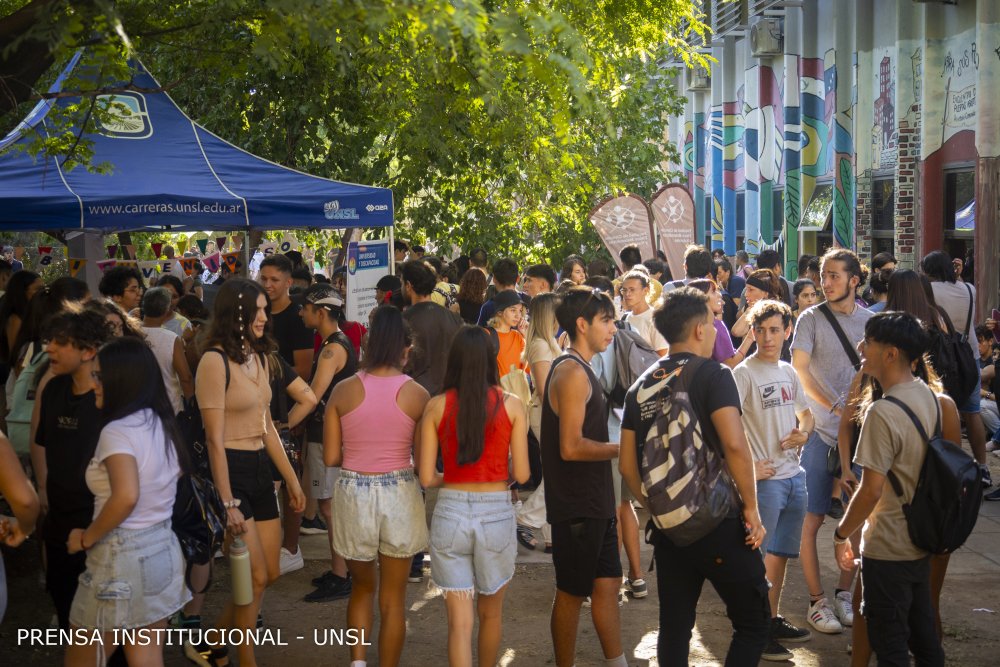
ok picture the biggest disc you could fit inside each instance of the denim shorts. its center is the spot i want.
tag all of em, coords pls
(473, 541)
(782, 507)
(819, 483)
(973, 404)
(378, 514)
(134, 578)
(322, 478)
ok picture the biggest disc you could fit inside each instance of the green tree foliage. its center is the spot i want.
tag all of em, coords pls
(495, 122)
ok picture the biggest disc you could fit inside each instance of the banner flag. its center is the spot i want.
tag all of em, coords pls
(237, 241)
(287, 244)
(202, 245)
(128, 263)
(167, 265)
(182, 244)
(188, 264)
(148, 270)
(673, 218)
(106, 264)
(213, 262)
(623, 221)
(44, 255)
(18, 252)
(220, 243)
(157, 249)
(231, 259)
(130, 251)
(112, 251)
(75, 264)
(268, 249)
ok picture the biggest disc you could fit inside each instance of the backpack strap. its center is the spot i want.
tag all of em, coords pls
(968, 319)
(852, 354)
(225, 362)
(890, 475)
(494, 339)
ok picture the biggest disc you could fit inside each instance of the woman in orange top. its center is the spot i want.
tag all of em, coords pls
(508, 340)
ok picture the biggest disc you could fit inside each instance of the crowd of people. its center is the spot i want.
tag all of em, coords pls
(417, 431)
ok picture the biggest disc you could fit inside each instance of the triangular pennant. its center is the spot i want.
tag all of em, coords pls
(75, 264)
(167, 265)
(213, 262)
(44, 249)
(267, 249)
(130, 251)
(18, 252)
(237, 241)
(188, 264)
(106, 264)
(112, 251)
(220, 243)
(148, 270)
(157, 249)
(202, 245)
(231, 259)
(287, 244)
(44, 255)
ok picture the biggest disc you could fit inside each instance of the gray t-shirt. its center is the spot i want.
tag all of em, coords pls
(829, 365)
(770, 395)
(954, 300)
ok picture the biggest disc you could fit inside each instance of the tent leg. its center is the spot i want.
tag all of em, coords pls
(392, 250)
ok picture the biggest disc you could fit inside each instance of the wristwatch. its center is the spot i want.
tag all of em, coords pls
(837, 539)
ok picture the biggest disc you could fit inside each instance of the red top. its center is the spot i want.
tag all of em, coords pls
(492, 465)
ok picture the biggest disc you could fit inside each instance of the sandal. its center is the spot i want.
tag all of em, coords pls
(526, 537)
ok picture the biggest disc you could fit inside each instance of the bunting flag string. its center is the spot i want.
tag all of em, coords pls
(167, 265)
(188, 264)
(220, 243)
(202, 245)
(112, 251)
(19, 251)
(212, 262)
(148, 270)
(268, 249)
(75, 264)
(44, 255)
(231, 259)
(106, 264)
(157, 249)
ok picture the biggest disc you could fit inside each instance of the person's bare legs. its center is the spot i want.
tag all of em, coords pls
(861, 649)
(809, 556)
(393, 573)
(604, 613)
(628, 524)
(199, 579)
(361, 605)
(337, 564)
(291, 522)
(460, 620)
(563, 625)
(490, 612)
(150, 655)
(976, 432)
(85, 655)
(774, 567)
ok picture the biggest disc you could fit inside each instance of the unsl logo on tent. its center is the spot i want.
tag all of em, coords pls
(332, 211)
(125, 116)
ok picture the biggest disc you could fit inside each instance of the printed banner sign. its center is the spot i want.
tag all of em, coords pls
(188, 264)
(673, 218)
(367, 262)
(623, 221)
(44, 255)
(167, 265)
(106, 264)
(213, 262)
(75, 264)
(148, 270)
(231, 259)
(287, 244)
(268, 249)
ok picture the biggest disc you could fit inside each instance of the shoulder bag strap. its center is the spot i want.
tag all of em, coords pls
(225, 363)
(891, 476)
(852, 354)
(968, 319)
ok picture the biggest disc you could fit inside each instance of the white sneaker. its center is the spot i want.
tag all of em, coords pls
(823, 618)
(637, 587)
(843, 603)
(291, 561)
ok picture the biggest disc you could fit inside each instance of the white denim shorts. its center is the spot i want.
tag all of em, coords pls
(378, 514)
(134, 578)
(473, 541)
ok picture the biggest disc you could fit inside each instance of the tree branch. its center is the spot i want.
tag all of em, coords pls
(107, 90)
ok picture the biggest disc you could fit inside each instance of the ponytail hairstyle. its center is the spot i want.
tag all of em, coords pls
(472, 373)
(766, 281)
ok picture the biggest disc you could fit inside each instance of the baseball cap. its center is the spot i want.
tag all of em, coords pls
(323, 295)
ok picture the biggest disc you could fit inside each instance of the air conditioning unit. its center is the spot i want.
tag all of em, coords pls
(698, 79)
(767, 37)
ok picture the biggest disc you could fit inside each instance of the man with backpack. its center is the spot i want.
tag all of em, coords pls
(682, 422)
(638, 314)
(892, 448)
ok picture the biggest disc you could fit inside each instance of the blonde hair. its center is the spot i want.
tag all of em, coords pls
(542, 324)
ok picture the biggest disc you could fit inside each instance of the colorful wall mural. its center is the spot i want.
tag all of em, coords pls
(817, 83)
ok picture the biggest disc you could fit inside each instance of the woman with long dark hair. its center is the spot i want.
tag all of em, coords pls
(370, 431)
(478, 428)
(135, 569)
(14, 308)
(471, 295)
(574, 269)
(233, 391)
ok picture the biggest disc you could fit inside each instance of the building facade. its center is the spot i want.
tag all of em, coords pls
(868, 124)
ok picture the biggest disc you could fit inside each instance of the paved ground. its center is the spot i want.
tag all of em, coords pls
(971, 603)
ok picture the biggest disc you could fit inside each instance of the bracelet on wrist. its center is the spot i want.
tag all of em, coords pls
(837, 539)
(231, 504)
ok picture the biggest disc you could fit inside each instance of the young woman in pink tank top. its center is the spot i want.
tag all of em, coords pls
(370, 431)
(473, 547)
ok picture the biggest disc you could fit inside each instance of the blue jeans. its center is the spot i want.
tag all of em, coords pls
(473, 541)
(782, 507)
(819, 483)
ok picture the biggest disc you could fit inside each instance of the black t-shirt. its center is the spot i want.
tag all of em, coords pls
(433, 327)
(712, 388)
(68, 428)
(314, 427)
(279, 387)
(576, 489)
(290, 332)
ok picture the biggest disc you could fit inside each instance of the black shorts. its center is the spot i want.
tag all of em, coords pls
(250, 481)
(584, 550)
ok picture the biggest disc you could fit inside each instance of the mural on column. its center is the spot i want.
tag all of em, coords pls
(884, 133)
(694, 167)
(793, 132)
(733, 175)
(955, 110)
(765, 141)
(717, 177)
(818, 88)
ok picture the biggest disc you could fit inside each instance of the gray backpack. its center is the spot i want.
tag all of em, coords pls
(687, 487)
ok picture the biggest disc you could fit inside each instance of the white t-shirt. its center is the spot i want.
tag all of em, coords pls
(770, 395)
(162, 343)
(139, 435)
(643, 324)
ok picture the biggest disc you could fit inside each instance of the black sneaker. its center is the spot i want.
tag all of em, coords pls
(325, 577)
(416, 569)
(313, 526)
(775, 652)
(783, 631)
(336, 589)
(992, 495)
(836, 510)
(987, 478)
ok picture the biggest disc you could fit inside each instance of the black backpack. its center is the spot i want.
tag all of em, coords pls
(953, 359)
(945, 504)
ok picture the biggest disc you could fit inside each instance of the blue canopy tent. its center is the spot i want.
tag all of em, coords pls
(168, 172)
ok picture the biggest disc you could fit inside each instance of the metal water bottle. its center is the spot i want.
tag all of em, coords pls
(239, 568)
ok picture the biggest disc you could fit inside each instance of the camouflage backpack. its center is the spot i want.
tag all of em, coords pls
(687, 487)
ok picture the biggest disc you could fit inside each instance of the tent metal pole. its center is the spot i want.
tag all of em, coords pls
(392, 251)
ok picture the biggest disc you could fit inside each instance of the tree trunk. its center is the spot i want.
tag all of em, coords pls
(28, 60)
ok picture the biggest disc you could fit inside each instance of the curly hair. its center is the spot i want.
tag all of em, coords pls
(83, 328)
(235, 310)
(472, 287)
(131, 327)
(768, 308)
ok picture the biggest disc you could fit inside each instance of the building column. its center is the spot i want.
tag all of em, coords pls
(718, 162)
(793, 140)
(987, 239)
(844, 195)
